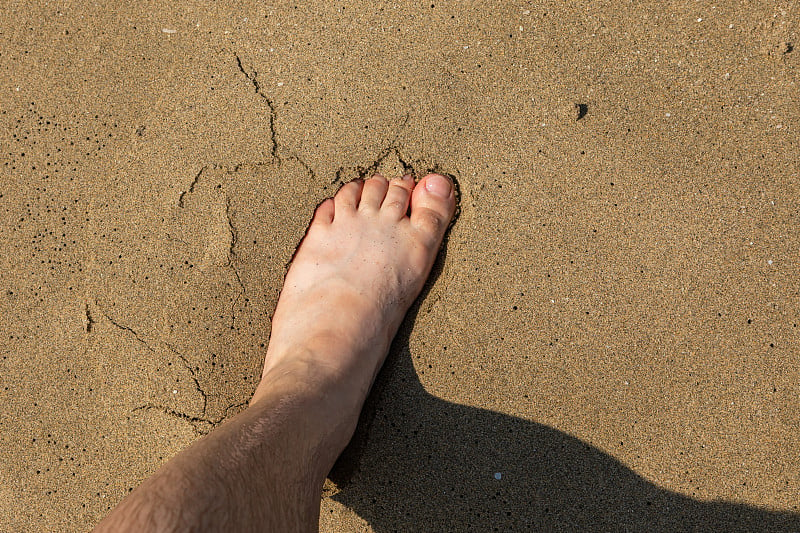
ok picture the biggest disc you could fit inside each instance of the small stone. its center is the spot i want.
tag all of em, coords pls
(571, 111)
(777, 48)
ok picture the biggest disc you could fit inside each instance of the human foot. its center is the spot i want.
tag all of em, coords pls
(361, 264)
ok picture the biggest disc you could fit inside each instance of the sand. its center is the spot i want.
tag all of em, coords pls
(610, 340)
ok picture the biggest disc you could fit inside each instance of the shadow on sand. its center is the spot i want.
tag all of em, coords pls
(430, 465)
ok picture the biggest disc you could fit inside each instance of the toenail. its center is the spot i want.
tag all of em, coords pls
(407, 177)
(438, 185)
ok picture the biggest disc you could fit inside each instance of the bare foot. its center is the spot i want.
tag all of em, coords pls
(360, 266)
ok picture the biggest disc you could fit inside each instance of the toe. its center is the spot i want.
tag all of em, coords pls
(324, 212)
(348, 196)
(395, 204)
(432, 206)
(373, 193)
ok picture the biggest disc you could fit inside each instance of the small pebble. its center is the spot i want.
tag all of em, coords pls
(498, 475)
(570, 111)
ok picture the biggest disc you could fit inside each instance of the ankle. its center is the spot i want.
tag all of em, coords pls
(324, 410)
(295, 377)
(328, 360)
(304, 380)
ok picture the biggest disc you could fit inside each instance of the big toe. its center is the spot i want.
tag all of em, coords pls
(433, 203)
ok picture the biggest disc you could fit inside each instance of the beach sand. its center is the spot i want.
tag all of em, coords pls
(609, 340)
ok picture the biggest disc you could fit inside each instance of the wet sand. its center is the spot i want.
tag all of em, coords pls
(609, 342)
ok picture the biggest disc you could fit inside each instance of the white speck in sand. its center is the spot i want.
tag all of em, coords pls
(526, 12)
(667, 115)
(700, 19)
(174, 391)
(280, 84)
(769, 261)
(466, 47)
(730, 26)
(498, 475)
(168, 30)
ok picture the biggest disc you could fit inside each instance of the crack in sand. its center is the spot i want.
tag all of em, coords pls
(89, 321)
(173, 238)
(242, 292)
(367, 171)
(193, 374)
(232, 261)
(190, 190)
(197, 421)
(311, 173)
(124, 328)
(232, 230)
(253, 78)
(230, 258)
(200, 424)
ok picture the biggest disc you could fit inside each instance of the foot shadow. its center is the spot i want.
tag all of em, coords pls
(419, 463)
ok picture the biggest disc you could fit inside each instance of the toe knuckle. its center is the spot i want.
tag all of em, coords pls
(432, 220)
(395, 204)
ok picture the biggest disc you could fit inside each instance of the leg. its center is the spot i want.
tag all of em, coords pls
(360, 266)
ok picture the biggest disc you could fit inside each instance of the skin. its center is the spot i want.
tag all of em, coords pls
(363, 261)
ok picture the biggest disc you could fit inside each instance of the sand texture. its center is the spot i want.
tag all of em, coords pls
(610, 339)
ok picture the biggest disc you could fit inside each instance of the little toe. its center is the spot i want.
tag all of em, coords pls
(373, 193)
(432, 206)
(324, 212)
(348, 196)
(398, 196)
